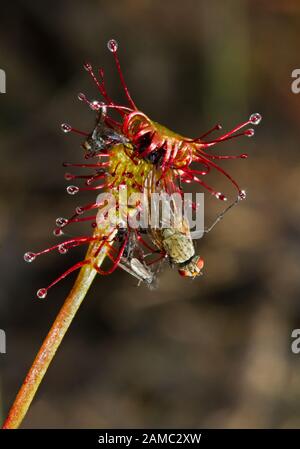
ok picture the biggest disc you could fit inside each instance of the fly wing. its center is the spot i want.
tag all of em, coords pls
(143, 272)
(138, 270)
(152, 187)
(170, 213)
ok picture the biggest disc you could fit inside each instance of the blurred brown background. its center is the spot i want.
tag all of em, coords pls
(214, 352)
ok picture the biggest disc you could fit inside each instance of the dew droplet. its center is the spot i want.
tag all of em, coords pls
(249, 132)
(72, 190)
(81, 97)
(57, 232)
(242, 194)
(79, 210)
(88, 66)
(60, 222)
(62, 249)
(41, 293)
(221, 196)
(112, 45)
(255, 118)
(29, 257)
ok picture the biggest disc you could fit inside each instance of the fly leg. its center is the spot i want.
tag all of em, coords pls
(222, 214)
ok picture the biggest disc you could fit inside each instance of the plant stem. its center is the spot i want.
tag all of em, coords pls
(51, 343)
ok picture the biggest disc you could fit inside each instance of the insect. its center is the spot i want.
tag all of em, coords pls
(139, 270)
(179, 247)
(181, 251)
(131, 150)
(133, 259)
(171, 233)
(102, 137)
(176, 241)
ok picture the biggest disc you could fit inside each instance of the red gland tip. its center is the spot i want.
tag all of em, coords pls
(81, 96)
(88, 66)
(255, 118)
(96, 105)
(41, 293)
(61, 222)
(57, 232)
(249, 132)
(62, 249)
(29, 257)
(79, 210)
(72, 190)
(220, 196)
(112, 45)
(66, 128)
(242, 195)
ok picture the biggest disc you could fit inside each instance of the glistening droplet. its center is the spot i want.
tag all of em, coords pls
(221, 196)
(249, 132)
(57, 232)
(60, 222)
(79, 210)
(81, 96)
(87, 66)
(112, 45)
(68, 176)
(41, 293)
(72, 190)
(255, 118)
(66, 128)
(62, 249)
(89, 181)
(29, 257)
(95, 105)
(242, 194)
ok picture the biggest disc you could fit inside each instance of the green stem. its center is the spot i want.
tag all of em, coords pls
(52, 343)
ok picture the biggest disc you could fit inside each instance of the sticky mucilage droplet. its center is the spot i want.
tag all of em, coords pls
(29, 257)
(112, 45)
(41, 293)
(72, 190)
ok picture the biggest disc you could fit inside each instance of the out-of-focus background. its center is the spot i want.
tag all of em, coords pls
(213, 352)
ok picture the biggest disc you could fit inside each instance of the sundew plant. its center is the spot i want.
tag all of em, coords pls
(126, 151)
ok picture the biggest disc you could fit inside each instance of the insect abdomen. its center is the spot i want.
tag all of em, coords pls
(177, 245)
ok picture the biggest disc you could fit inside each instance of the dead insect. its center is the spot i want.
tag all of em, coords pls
(102, 137)
(177, 241)
(132, 260)
(174, 239)
(137, 269)
(180, 249)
